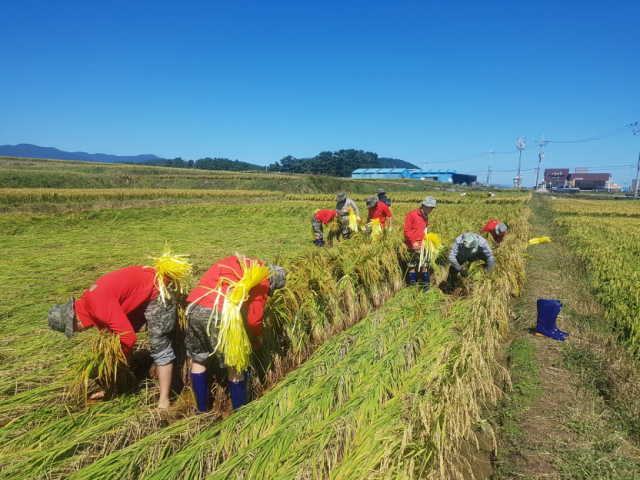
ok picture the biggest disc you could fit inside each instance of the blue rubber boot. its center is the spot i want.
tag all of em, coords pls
(552, 308)
(426, 280)
(200, 390)
(238, 393)
(319, 242)
(548, 311)
(413, 276)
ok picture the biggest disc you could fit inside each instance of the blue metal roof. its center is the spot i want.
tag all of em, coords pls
(359, 170)
(385, 170)
(434, 172)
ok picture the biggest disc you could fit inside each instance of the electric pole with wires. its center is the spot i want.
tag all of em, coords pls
(521, 143)
(542, 143)
(489, 171)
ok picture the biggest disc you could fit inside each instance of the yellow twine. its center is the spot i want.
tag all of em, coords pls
(430, 246)
(170, 270)
(233, 340)
(375, 228)
(535, 241)
(353, 220)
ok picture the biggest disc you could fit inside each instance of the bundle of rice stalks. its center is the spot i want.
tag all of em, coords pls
(335, 230)
(104, 369)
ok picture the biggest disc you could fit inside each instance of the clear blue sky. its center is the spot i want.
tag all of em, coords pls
(259, 80)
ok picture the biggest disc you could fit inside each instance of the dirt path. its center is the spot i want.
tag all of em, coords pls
(557, 422)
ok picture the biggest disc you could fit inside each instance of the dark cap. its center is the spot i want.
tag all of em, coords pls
(341, 197)
(381, 191)
(61, 318)
(371, 201)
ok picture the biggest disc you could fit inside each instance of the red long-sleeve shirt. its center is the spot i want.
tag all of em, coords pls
(414, 225)
(380, 211)
(325, 216)
(491, 228)
(117, 301)
(229, 268)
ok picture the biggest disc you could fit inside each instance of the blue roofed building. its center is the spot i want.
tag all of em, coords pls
(380, 173)
(445, 176)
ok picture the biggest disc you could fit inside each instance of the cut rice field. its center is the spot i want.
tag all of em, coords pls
(605, 235)
(356, 375)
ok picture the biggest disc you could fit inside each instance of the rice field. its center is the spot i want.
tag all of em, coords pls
(358, 376)
(605, 234)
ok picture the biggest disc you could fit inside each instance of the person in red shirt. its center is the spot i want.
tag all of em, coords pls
(319, 218)
(415, 227)
(204, 313)
(123, 301)
(497, 230)
(379, 210)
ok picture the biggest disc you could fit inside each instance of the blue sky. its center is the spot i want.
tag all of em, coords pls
(434, 82)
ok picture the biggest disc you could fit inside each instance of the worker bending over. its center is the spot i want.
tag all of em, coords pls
(379, 210)
(415, 228)
(123, 301)
(318, 219)
(342, 206)
(497, 230)
(210, 302)
(469, 247)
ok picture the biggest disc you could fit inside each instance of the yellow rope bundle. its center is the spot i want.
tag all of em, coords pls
(535, 241)
(375, 228)
(353, 220)
(173, 270)
(430, 246)
(233, 340)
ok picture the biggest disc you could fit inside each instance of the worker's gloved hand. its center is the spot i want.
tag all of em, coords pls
(391, 229)
(416, 246)
(464, 273)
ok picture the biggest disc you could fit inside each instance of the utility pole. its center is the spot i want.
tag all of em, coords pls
(489, 171)
(542, 143)
(635, 193)
(521, 143)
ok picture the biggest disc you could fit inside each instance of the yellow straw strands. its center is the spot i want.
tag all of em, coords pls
(536, 241)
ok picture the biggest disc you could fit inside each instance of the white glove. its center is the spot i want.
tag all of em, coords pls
(391, 229)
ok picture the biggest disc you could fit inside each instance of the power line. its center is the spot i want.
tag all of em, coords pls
(612, 133)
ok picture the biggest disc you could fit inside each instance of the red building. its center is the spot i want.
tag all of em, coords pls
(554, 177)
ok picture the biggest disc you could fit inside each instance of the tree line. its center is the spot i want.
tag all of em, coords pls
(336, 164)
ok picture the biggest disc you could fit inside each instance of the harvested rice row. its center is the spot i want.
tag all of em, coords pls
(412, 197)
(470, 357)
(13, 196)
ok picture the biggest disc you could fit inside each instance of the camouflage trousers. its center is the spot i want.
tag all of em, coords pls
(414, 260)
(317, 226)
(200, 344)
(161, 321)
(345, 225)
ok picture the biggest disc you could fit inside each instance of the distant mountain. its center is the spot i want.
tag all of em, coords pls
(395, 163)
(25, 150)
